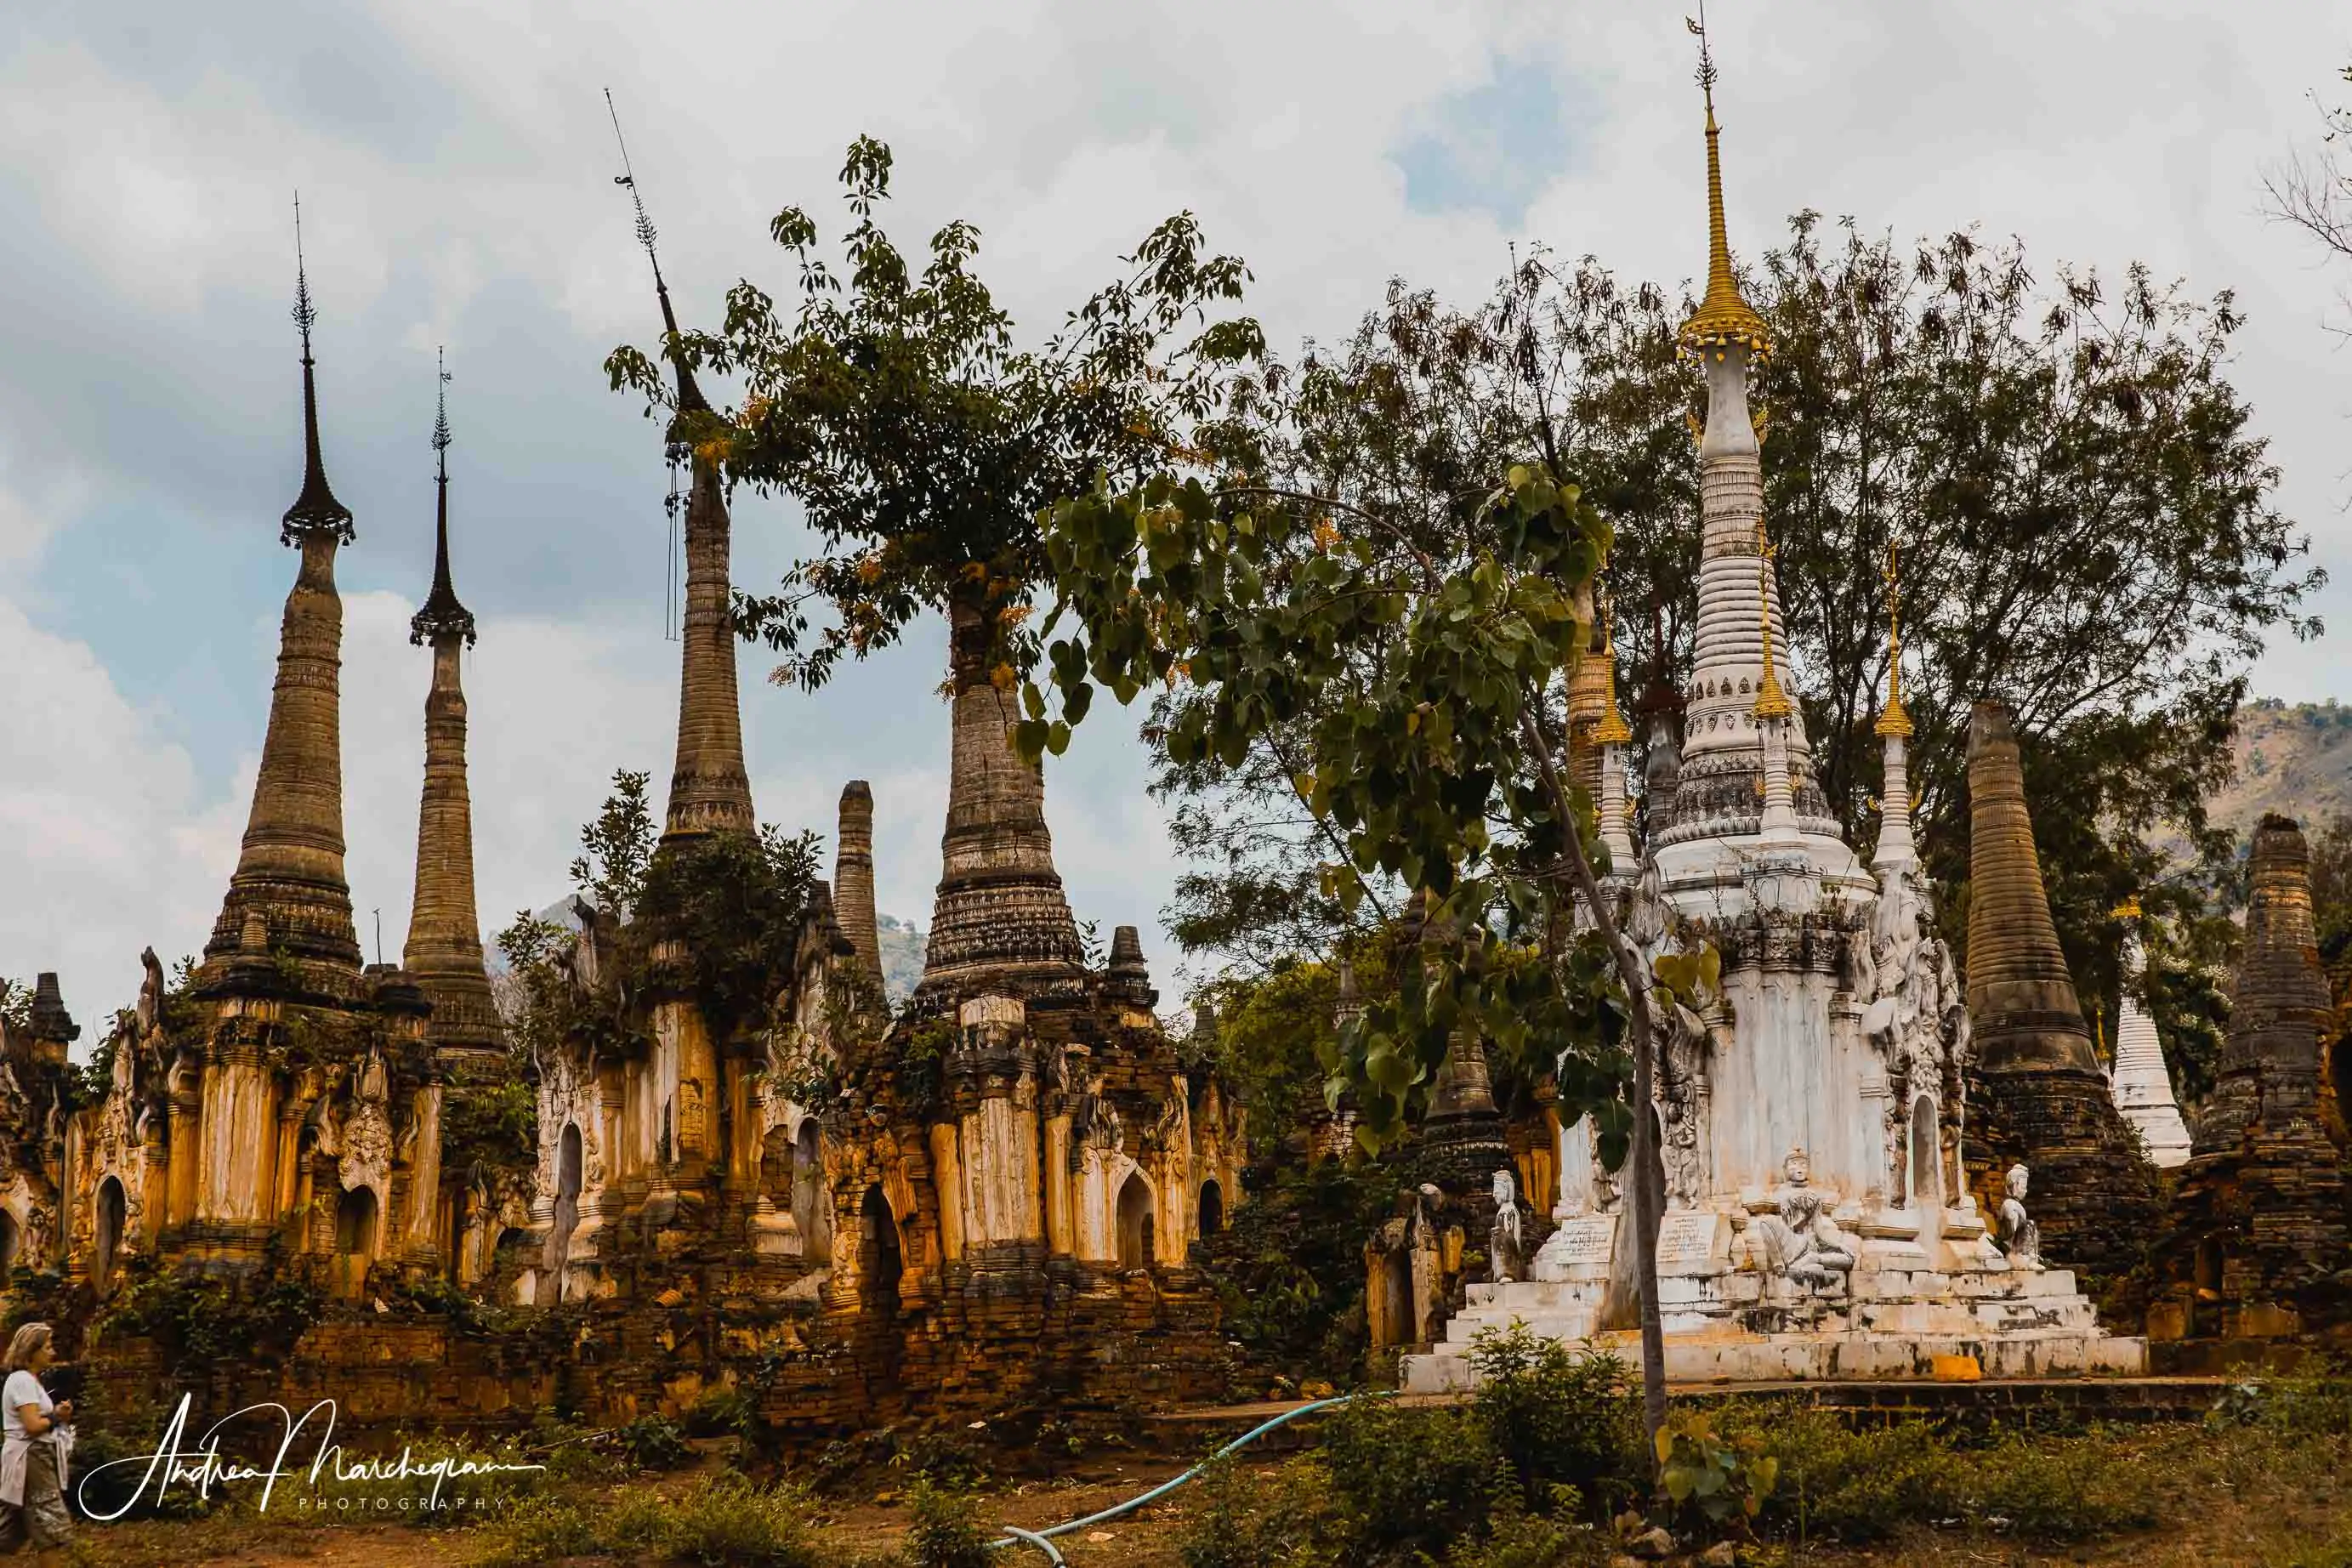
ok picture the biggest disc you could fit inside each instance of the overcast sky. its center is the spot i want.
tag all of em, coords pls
(456, 165)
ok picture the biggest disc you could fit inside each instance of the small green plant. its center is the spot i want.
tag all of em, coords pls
(722, 1412)
(544, 1529)
(653, 1443)
(944, 1459)
(1558, 1417)
(2056, 1489)
(1408, 1482)
(1279, 1518)
(944, 1533)
(1834, 1482)
(1702, 1472)
(729, 1523)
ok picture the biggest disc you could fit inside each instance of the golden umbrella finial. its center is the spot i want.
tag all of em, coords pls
(1894, 721)
(1612, 729)
(1771, 702)
(1723, 318)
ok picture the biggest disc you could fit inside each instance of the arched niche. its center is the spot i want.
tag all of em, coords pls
(1134, 1217)
(112, 1210)
(1212, 1208)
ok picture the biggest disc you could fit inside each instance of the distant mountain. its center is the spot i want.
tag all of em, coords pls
(903, 942)
(2294, 759)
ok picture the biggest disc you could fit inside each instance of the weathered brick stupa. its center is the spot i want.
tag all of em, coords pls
(999, 921)
(669, 1152)
(1811, 1113)
(853, 880)
(2045, 1097)
(1023, 1160)
(445, 935)
(299, 1113)
(2257, 1238)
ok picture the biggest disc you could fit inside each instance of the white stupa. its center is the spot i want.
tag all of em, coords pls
(1819, 1223)
(2143, 1088)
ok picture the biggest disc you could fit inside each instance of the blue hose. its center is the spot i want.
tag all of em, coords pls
(1038, 1538)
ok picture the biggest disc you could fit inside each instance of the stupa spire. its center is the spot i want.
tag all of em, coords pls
(290, 884)
(1739, 710)
(1894, 721)
(444, 941)
(709, 788)
(1723, 317)
(689, 395)
(1897, 849)
(442, 613)
(316, 509)
(1771, 702)
(1000, 919)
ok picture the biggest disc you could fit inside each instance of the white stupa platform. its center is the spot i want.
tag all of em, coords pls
(1742, 1327)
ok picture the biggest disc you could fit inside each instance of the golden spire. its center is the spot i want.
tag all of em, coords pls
(1771, 702)
(1894, 722)
(1723, 318)
(1612, 729)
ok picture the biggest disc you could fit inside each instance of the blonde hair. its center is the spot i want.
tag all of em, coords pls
(26, 1344)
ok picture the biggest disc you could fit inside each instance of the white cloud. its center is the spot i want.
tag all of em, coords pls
(2099, 132)
(110, 843)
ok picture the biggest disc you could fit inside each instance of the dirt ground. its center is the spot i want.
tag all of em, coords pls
(2212, 1526)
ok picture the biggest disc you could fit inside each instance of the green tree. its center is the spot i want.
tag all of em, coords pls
(619, 845)
(2086, 519)
(1419, 688)
(922, 441)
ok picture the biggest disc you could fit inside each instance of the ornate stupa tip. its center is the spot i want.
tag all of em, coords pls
(442, 614)
(1894, 721)
(1127, 952)
(316, 509)
(1723, 317)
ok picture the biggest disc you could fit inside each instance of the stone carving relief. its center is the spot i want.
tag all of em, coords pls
(2020, 1239)
(1799, 1241)
(1506, 1247)
(365, 1155)
(1914, 1017)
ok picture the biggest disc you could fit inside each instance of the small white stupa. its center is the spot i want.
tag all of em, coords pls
(2142, 1087)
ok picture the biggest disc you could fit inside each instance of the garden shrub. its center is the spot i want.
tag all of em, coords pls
(943, 1534)
(729, 1523)
(542, 1529)
(1702, 1471)
(653, 1443)
(1517, 1539)
(1560, 1418)
(1842, 1484)
(1279, 1518)
(1407, 1480)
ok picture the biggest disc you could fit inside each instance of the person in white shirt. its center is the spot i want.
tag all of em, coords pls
(34, 1436)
